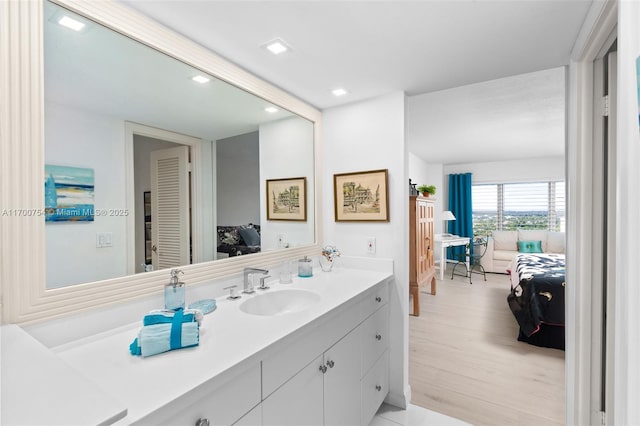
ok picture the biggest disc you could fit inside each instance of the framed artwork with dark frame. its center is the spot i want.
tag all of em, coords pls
(361, 196)
(287, 199)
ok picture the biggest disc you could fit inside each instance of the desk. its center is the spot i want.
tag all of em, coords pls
(445, 242)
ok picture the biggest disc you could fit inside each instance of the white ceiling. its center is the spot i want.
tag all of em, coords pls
(504, 119)
(104, 72)
(375, 47)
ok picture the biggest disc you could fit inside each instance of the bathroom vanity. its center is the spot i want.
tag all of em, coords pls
(316, 353)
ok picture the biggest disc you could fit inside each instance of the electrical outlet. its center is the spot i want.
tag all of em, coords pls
(281, 240)
(371, 245)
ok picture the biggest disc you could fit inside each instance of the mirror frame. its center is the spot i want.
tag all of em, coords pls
(23, 294)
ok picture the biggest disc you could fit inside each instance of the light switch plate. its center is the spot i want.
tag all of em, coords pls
(104, 239)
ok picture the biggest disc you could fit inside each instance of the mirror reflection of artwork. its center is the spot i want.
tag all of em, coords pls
(361, 196)
(68, 194)
(638, 85)
(286, 199)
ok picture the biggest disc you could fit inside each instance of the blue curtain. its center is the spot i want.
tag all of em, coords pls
(460, 206)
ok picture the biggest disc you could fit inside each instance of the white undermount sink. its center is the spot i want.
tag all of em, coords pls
(278, 302)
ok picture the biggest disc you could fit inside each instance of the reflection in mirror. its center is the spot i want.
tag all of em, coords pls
(178, 163)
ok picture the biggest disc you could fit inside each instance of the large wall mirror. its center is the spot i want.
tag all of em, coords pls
(200, 150)
(156, 154)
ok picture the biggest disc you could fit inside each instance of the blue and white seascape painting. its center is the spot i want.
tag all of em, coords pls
(638, 83)
(68, 194)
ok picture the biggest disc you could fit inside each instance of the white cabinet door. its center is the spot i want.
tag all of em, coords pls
(299, 401)
(342, 381)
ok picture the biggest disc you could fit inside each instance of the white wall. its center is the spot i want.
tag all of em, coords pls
(82, 139)
(287, 145)
(238, 180)
(421, 172)
(363, 136)
(627, 291)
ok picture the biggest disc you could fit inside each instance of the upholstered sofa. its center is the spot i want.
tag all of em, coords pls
(504, 245)
(238, 240)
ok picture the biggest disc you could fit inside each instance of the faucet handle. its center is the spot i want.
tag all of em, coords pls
(263, 286)
(233, 293)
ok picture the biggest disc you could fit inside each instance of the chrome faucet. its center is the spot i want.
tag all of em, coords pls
(248, 285)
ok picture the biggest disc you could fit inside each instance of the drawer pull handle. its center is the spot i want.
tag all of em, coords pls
(323, 369)
(202, 422)
(378, 337)
(378, 388)
(330, 363)
(378, 299)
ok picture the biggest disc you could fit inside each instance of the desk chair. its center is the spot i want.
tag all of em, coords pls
(475, 267)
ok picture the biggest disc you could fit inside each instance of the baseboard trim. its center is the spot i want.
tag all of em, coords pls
(399, 400)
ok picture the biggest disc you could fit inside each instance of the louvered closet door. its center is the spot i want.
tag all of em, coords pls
(170, 207)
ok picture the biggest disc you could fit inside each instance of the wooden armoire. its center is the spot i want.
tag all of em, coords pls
(422, 269)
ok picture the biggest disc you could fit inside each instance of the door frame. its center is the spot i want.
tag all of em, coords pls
(195, 146)
(582, 286)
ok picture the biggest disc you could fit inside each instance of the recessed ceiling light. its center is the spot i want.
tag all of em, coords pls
(339, 92)
(271, 109)
(65, 21)
(200, 79)
(277, 46)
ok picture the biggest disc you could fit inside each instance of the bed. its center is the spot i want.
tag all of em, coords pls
(537, 298)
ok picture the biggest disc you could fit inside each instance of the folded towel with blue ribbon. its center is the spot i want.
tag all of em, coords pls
(165, 331)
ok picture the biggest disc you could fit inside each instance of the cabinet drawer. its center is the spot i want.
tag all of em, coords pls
(252, 418)
(224, 406)
(374, 300)
(374, 387)
(375, 338)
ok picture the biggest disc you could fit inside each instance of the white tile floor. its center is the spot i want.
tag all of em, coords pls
(388, 415)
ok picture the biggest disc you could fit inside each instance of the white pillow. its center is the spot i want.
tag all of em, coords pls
(505, 240)
(534, 235)
(555, 242)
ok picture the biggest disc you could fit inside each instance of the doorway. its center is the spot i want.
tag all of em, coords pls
(140, 142)
(146, 216)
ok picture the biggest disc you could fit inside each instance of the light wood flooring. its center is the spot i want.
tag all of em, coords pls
(465, 361)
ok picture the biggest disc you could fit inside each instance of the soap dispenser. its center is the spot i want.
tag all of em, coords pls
(174, 292)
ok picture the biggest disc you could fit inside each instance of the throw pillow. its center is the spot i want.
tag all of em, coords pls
(534, 235)
(530, 246)
(505, 240)
(228, 235)
(250, 236)
(555, 242)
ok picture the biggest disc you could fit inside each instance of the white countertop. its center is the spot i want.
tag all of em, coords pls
(228, 337)
(38, 388)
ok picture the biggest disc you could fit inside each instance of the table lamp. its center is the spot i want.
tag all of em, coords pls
(446, 216)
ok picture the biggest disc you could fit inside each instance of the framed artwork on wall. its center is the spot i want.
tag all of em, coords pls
(68, 194)
(361, 196)
(287, 199)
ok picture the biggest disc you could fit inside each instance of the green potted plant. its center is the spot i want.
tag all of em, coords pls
(427, 190)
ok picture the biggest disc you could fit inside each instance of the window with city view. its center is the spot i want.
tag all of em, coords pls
(509, 206)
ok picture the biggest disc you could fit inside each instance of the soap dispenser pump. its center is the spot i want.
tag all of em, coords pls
(174, 292)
